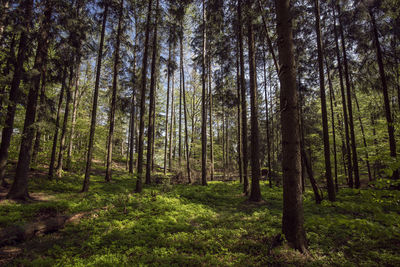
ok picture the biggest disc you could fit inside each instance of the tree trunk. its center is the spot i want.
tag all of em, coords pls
(65, 124)
(211, 119)
(172, 130)
(239, 114)
(167, 108)
(293, 218)
(349, 106)
(110, 141)
(143, 101)
(328, 169)
(267, 121)
(19, 188)
(345, 118)
(14, 94)
(57, 126)
(243, 101)
(318, 198)
(150, 129)
(203, 106)
(389, 119)
(255, 194)
(86, 181)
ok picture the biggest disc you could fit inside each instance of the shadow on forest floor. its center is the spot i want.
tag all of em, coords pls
(199, 226)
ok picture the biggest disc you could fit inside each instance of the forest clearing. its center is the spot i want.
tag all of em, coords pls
(199, 133)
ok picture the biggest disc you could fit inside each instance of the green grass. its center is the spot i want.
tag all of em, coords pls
(203, 226)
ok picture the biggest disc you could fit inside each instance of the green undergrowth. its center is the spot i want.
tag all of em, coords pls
(183, 225)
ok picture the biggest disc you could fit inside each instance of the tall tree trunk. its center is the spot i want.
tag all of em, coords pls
(255, 194)
(167, 108)
(389, 119)
(110, 141)
(185, 109)
(306, 163)
(239, 114)
(26, 7)
(86, 181)
(19, 188)
(243, 101)
(210, 106)
(331, 98)
(143, 101)
(328, 168)
(150, 130)
(293, 218)
(57, 126)
(203, 105)
(349, 105)
(267, 121)
(133, 99)
(172, 130)
(6, 71)
(74, 114)
(65, 123)
(345, 117)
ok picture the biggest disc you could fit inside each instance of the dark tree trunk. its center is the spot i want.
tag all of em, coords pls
(110, 140)
(349, 105)
(328, 169)
(19, 188)
(57, 126)
(172, 130)
(203, 106)
(293, 218)
(243, 101)
(267, 121)
(306, 162)
(14, 93)
(239, 114)
(150, 130)
(167, 108)
(255, 194)
(211, 119)
(86, 181)
(65, 124)
(345, 118)
(389, 119)
(143, 101)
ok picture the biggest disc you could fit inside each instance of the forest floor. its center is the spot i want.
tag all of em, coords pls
(191, 225)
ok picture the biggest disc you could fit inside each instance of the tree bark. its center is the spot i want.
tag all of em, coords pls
(255, 194)
(167, 108)
(243, 101)
(293, 218)
(267, 121)
(110, 141)
(14, 93)
(239, 114)
(203, 105)
(86, 181)
(211, 118)
(171, 132)
(328, 168)
(143, 101)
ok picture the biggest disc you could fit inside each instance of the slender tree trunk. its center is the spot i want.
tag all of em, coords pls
(74, 114)
(331, 97)
(255, 194)
(306, 162)
(19, 188)
(223, 141)
(133, 99)
(203, 105)
(328, 168)
(110, 141)
(345, 118)
(86, 181)
(243, 101)
(167, 108)
(57, 126)
(293, 218)
(171, 132)
(6, 71)
(349, 106)
(211, 118)
(143, 101)
(389, 119)
(150, 129)
(239, 114)
(26, 7)
(65, 124)
(267, 121)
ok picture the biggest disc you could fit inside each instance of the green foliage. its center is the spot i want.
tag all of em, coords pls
(194, 225)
